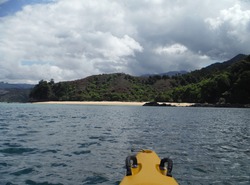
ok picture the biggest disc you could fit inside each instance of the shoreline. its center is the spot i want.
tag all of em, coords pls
(92, 103)
(110, 103)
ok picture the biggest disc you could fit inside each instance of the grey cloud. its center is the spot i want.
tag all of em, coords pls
(68, 40)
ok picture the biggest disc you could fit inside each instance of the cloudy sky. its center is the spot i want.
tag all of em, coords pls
(72, 39)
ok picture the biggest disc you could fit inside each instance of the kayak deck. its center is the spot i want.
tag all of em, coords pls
(147, 171)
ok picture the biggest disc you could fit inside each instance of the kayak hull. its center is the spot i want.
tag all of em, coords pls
(148, 171)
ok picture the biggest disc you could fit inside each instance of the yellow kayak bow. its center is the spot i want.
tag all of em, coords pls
(146, 168)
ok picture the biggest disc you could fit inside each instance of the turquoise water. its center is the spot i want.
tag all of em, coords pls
(80, 144)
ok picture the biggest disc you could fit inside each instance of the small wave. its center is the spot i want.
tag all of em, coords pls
(85, 145)
(95, 180)
(20, 127)
(68, 155)
(58, 164)
(33, 132)
(51, 121)
(13, 145)
(50, 151)
(30, 182)
(4, 130)
(107, 133)
(22, 135)
(23, 171)
(22, 116)
(3, 164)
(10, 183)
(52, 134)
(200, 170)
(93, 137)
(82, 152)
(97, 127)
(17, 150)
(227, 148)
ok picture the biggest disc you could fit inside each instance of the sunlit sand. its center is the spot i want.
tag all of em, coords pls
(111, 103)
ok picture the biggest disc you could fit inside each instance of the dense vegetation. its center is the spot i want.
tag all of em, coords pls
(109, 87)
(227, 82)
(221, 83)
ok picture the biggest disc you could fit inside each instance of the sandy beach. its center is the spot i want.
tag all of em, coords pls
(110, 103)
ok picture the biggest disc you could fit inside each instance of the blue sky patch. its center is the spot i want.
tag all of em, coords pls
(12, 6)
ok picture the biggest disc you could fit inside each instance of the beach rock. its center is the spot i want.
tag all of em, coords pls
(157, 104)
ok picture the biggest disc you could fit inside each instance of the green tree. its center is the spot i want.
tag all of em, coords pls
(240, 92)
(42, 91)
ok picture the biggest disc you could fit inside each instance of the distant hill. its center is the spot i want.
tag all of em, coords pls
(226, 82)
(14, 92)
(170, 73)
(14, 95)
(15, 86)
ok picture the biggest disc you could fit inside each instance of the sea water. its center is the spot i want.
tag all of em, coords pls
(43, 144)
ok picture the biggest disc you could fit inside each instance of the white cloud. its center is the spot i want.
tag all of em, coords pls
(231, 29)
(172, 49)
(112, 47)
(72, 38)
(235, 17)
(177, 55)
(68, 40)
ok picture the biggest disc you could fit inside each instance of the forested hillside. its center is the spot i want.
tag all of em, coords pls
(108, 87)
(222, 83)
(226, 82)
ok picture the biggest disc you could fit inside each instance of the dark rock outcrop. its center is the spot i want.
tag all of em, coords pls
(157, 104)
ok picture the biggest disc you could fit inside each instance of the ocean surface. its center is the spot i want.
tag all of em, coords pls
(84, 144)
